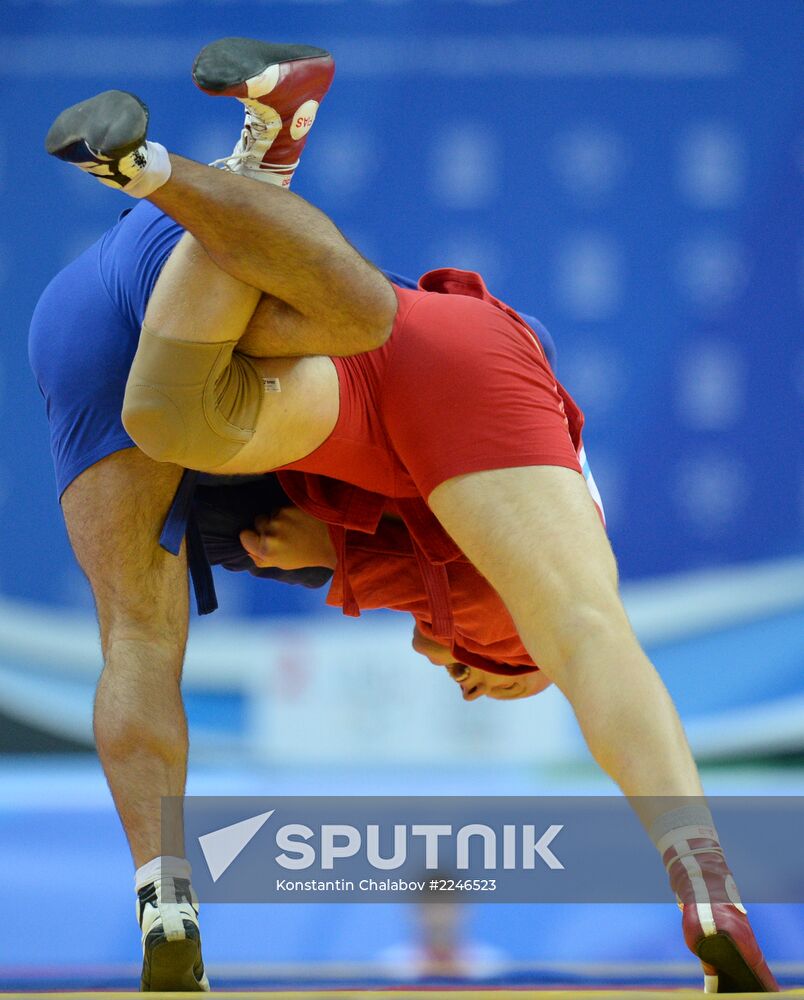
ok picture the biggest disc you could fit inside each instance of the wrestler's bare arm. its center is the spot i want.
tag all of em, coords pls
(114, 511)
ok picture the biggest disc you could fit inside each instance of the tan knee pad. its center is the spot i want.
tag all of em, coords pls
(192, 404)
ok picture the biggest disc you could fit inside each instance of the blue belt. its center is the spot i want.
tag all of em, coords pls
(180, 523)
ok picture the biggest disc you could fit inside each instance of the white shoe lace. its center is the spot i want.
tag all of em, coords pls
(244, 154)
(238, 156)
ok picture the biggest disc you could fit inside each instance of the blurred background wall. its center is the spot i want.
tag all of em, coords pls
(629, 172)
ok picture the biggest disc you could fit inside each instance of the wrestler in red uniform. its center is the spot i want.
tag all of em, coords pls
(385, 456)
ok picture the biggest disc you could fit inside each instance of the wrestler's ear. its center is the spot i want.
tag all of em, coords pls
(250, 541)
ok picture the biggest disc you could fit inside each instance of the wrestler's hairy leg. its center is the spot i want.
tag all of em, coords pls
(335, 301)
(280, 244)
(535, 534)
(196, 300)
(277, 330)
(114, 511)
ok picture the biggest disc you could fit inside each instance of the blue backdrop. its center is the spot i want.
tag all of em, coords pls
(629, 172)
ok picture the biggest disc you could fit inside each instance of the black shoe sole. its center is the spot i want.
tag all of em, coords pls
(114, 123)
(733, 973)
(231, 61)
(172, 966)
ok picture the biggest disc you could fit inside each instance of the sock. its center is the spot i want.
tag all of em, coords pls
(153, 174)
(689, 845)
(160, 868)
(170, 878)
(680, 825)
(280, 176)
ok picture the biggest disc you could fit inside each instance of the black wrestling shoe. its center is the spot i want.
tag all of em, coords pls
(171, 939)
(281, 87)
(104, 136)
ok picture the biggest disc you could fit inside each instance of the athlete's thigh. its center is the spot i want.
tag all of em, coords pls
(298, 412)
(536, 535)
(193, 299)
(114, 512)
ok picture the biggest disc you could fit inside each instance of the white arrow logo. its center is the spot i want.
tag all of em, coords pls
(221, 847)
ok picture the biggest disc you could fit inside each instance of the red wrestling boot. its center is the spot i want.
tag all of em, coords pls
(281, 87)
(714, 921)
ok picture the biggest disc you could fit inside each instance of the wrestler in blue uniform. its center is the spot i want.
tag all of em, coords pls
(83, 337)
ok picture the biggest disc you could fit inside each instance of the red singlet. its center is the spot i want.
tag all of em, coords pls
(462, 385)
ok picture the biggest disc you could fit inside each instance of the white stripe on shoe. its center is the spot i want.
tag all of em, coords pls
(263, 83)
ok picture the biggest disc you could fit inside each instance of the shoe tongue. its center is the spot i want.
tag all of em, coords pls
(262, 113)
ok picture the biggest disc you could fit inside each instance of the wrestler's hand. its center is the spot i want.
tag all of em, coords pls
(290, 539)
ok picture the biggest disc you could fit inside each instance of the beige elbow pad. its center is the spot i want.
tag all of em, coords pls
(192, 404)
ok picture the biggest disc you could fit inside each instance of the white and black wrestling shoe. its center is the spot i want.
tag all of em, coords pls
(167, 910)
(104, 136)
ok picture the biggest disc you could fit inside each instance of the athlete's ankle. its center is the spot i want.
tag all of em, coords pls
(154, 172)
(165, 898)
(161, 867)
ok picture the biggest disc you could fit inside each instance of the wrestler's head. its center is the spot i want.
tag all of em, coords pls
(475, 683)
